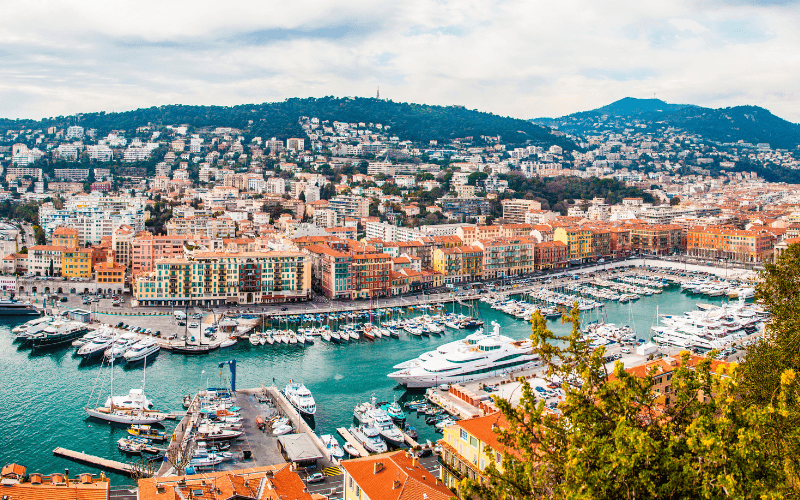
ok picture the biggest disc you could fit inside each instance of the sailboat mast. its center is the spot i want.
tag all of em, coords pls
(112, 383)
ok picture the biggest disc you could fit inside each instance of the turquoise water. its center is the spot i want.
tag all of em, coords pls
(42, 396)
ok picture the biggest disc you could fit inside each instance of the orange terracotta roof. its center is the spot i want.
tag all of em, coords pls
(395, 476)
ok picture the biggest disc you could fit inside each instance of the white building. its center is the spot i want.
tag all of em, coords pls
(276, 185)
(74, 132)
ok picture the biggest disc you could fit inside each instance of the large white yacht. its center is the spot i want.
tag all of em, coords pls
(300, 397)
(478, 356)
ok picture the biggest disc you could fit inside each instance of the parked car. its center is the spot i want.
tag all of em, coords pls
(316, 477)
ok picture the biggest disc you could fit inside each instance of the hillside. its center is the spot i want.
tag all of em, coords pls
(750, 124)
(416, 122)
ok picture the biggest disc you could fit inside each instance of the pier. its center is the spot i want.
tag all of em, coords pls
(100, 463)
(353, 441)
(297, 421)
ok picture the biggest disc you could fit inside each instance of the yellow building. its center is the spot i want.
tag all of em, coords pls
(459, 264)
(76, 263)
(65, 237)
(578, 241)
(468, 447)
(210, 279)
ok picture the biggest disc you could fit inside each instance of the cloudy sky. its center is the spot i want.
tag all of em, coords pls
(519, 58)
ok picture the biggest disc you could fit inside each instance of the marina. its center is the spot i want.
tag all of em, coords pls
(339, 375)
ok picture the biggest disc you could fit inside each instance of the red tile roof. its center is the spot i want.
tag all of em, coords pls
(395, 476)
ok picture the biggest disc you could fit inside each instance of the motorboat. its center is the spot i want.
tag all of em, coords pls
(212, 432)
(394, 410)
(332, 446)
(281, 430)
(132, 446)
(147, 432)
(369, 437)
(141, 350)
(96, 347)
(121, 346)
(231, 341)
(300, 398)
(351, 450)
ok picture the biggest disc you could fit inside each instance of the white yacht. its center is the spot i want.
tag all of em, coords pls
(370, 438)
(300, 397)
(141, 350)
(476, 357)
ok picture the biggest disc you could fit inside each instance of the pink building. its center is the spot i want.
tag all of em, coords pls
(146, 249)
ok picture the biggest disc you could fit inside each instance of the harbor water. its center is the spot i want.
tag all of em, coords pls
(43, 395)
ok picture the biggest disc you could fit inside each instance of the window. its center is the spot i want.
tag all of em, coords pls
(464, 435)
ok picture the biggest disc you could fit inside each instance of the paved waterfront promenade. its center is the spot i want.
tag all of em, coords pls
(108, 314)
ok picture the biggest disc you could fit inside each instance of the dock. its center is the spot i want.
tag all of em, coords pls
(353, 441)
(100, 463)
(297, 421)
(411, 443)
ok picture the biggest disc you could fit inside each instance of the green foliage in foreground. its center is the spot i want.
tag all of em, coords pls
(614, 441)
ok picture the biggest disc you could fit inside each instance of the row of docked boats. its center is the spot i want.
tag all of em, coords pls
(114, 345)
(377, 427)
(712, 327)
(434, 415)
(714, 287)
(519, 308)
(273, 336)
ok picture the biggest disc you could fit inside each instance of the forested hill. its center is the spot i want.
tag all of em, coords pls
(751, 124)
(416, 122)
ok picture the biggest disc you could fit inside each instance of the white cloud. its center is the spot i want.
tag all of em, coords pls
(512, 57)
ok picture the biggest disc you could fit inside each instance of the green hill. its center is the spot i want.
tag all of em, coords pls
(416, 122)
(750, 124)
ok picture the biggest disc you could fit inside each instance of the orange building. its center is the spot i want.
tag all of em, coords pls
(729, 243)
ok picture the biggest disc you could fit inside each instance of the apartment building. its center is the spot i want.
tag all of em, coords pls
(209, 227)
(76, 263)
(212, 279)
(91, 222)
(458, 264)
(550, 255)
(349, 206)
(514, 210)
(656, 239)
(122, 243)
(578, 241)
(45, 260)
(395, 475)
(468, 447)
(370, 275)
(325, 217)
(507, 256)
(730, 243)
(332, 271)
(146, 249)
(65, 237)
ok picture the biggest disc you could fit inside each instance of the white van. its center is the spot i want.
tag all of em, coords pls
(180, 315)
(625, 350)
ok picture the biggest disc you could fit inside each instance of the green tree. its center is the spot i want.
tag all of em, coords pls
(675, 201)
(613, 439)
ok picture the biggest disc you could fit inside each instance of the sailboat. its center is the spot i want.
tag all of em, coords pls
(124, 410)
(191, 349)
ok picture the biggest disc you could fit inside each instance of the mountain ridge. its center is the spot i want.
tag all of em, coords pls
(751, 124)
(409, 121)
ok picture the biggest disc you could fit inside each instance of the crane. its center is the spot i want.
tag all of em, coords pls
(232, 365)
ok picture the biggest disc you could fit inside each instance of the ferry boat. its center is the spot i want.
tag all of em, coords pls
(476, 357)
(300, 398)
